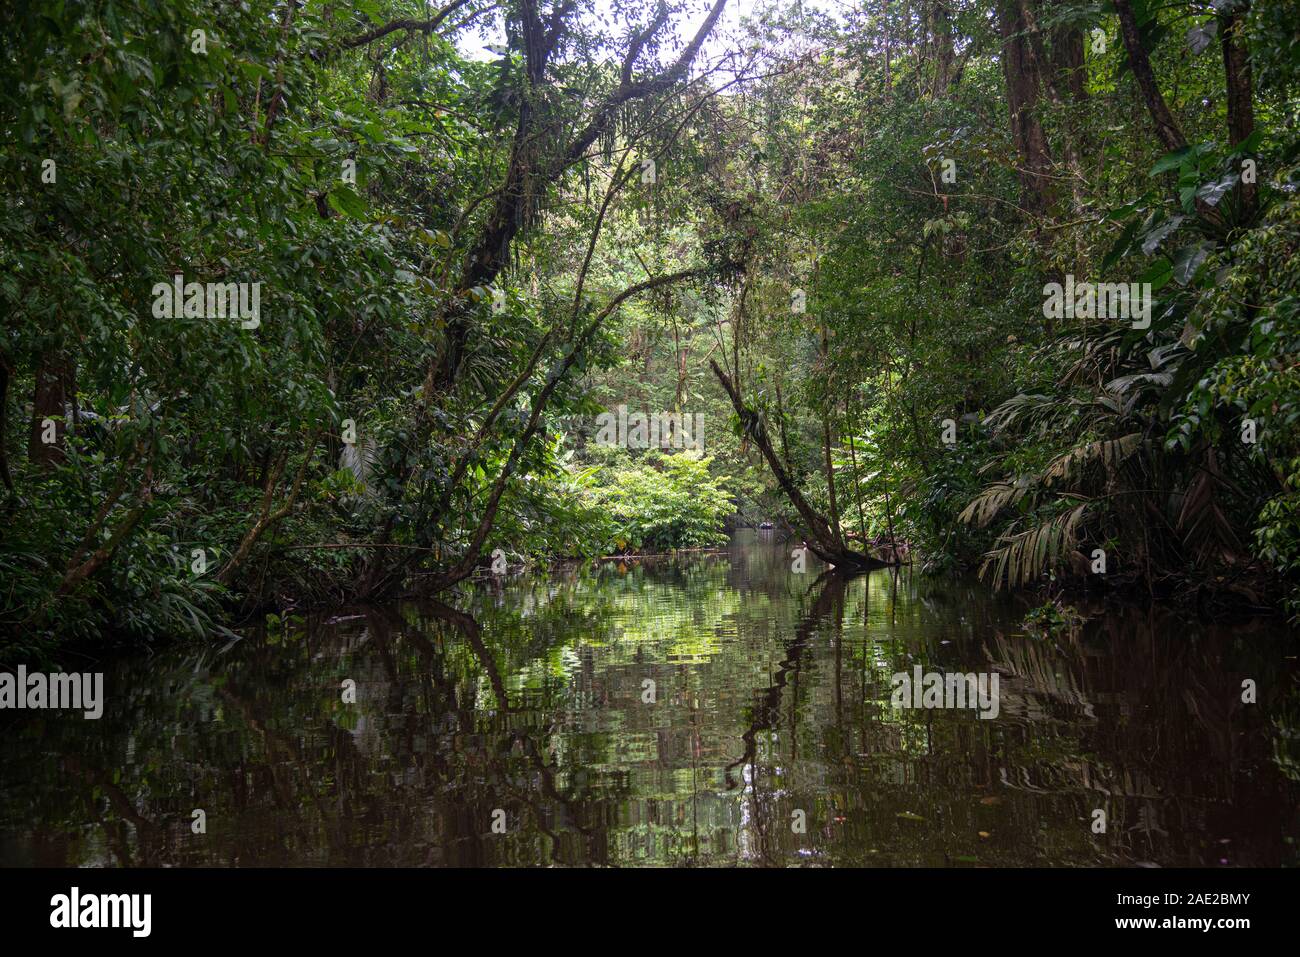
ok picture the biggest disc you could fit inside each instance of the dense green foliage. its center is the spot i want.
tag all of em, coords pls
(461, 254)
(951, 404)
(670, 502)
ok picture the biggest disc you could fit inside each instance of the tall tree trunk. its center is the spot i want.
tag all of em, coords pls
(1051, 75)
(857, 484)
(515, 205)
(1241, 110)
(1067, 60)
(889, 47)
(940, 29)
(830, 477)
(4, 423)
(780, 420)
(49, 401)
(1023, 84)
(829, 465)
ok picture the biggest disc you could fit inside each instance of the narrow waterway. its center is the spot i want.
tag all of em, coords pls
(709, 709)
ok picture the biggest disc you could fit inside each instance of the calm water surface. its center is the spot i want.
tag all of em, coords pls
(771, 695)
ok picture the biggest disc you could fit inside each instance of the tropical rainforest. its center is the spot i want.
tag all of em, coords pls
(311, 303)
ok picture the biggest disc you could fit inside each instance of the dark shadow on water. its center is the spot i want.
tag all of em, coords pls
(709, 710)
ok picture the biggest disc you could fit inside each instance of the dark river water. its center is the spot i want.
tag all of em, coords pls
(523, 729)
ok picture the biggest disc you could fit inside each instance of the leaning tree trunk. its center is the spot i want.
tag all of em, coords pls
(825, 543)
(1167, 129)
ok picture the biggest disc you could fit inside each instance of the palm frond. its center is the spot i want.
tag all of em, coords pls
(360, 459)
(1028, 406)
(987, 504)
(1110, 452)
(1023, 557)
(1205, 528)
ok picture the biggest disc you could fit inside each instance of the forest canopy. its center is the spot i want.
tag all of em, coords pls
(310, 303)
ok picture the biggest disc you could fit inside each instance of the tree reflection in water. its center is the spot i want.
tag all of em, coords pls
(771, 695)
